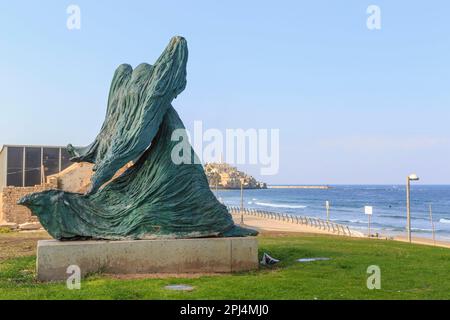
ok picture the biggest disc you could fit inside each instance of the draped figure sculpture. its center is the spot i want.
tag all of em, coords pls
(154, 198)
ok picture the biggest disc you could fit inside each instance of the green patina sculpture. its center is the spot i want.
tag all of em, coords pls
(155, 197)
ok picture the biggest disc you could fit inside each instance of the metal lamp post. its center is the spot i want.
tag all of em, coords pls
(412, 177)
(242, 201)
(216, 178)
(327, 206)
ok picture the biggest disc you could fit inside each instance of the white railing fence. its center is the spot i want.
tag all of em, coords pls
(321, 224)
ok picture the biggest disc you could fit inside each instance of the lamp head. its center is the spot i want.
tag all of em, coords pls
(413, 177)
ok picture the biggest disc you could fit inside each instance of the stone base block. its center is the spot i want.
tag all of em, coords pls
(9, 225)
(30, 226)
(206, 255)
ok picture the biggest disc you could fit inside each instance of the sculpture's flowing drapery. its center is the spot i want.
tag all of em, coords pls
(155, 197)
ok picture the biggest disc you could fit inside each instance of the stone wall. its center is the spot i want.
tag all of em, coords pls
(2, 219)
(11, 212)
(75, 178)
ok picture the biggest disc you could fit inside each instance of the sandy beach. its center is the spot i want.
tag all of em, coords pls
(424, 241)
(263, 224)
(269, 225)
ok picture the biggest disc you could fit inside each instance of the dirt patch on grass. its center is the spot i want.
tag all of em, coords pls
(20, 244)
(161, 275)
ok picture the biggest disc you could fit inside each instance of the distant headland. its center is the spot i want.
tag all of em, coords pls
(224, 176)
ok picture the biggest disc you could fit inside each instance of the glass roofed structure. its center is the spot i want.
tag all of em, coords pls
(28, 165)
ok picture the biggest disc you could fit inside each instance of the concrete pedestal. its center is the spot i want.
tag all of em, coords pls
(206, 255)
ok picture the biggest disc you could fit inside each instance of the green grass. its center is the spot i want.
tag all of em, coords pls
(407, 272)
(5, 230)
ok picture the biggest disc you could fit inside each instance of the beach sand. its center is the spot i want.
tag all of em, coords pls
(264, 224)
(424, 241)
(269, 225)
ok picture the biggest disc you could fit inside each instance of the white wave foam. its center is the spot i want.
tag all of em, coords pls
(421, 229)
(444, 220)
(275, 205)
(356, 221)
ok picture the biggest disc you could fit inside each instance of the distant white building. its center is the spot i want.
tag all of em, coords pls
(27, 165)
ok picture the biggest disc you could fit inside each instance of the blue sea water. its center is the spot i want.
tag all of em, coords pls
(347, 206)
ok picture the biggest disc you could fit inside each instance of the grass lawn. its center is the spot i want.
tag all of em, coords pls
(407, 272)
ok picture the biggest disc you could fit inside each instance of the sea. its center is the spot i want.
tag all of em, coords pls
(347, 204)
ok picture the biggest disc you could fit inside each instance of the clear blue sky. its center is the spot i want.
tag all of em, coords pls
(352, 105)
